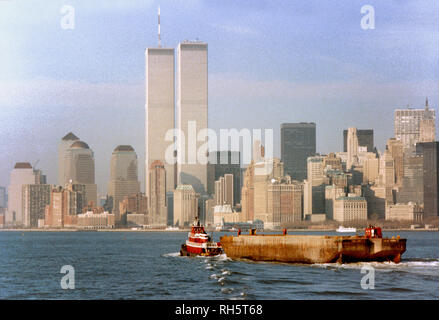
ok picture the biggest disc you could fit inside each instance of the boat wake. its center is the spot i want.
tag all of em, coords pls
(172, 254)
(414, 263)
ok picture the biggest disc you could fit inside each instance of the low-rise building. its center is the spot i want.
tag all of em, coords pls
(350, 209)
(91, 220)
(404, 212)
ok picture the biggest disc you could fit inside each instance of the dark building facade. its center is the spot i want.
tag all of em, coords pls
(297, 143)
(221, 163)
(365, 139)
(412, 189)
(430, 151)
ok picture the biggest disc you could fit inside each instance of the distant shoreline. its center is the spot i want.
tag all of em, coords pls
(186, 230)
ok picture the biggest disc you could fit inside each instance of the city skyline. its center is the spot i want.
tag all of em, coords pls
(41, 141)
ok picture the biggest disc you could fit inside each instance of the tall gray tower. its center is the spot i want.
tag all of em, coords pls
(159, 109)
(65, 143)
(192, 113)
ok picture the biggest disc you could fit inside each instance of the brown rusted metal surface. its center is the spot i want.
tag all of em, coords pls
(312, 249)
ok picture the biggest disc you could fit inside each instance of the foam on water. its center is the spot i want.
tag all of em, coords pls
(172, 254)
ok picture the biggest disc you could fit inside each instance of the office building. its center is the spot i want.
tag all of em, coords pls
(35, 199)
(79, 168)
(21, 175)
(64, 144)
(352, 208)
(404, 212)
(3, 197)
(157, 208)
(352, 148)
(123, 176)
(407, 125)
(430, 151)
(160, 111)
(192, 106)
(365, 139)
(298, 142)
(222, 163)
(185, 205)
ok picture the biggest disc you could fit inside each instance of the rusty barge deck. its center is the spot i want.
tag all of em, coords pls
(313, 249)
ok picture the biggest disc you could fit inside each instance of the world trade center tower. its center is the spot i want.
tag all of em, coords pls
(160, 107)
(192, 113)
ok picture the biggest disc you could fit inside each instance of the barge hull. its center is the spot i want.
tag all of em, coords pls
(312, 249)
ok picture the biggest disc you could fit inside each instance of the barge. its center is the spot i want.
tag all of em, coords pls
(314, 249)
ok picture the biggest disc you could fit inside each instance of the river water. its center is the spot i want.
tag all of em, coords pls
(147, 265)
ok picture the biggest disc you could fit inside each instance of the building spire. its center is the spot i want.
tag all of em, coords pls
(426, 103)
(160, 40)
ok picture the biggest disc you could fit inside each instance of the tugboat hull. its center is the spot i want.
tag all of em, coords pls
(193, 252)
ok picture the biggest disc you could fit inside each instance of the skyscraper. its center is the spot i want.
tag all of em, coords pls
(430, 151)
(222, 163)
(124, 178)
(185, 205)
(192, 114)
(3, 197)
(35, 199)
(407, 125)
(159, 75)
(352, 147)
(158, 212)
(365, 139)
(64, 144)
(298, 142)
(79, 168)
(22, 174)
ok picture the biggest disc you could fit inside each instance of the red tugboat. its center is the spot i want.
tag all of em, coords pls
(199, 243)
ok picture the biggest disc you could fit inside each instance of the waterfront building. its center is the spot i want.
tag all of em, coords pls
(192, 110)
(284, 199)
(123, 176)
(404, 212)
(35, 199)
(350, 209)
(92, 220)
(298, 142)
(64, 206)
(412, 189)
(22, 174)
(185, 205)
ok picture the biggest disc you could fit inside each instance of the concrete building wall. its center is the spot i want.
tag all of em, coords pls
(350, 209)
(35, 199)
(404, 212)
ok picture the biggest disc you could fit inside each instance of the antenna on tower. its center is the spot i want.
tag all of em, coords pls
(160, 40)
(426, 103)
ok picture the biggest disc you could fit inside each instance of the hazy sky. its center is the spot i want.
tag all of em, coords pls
(269, 62)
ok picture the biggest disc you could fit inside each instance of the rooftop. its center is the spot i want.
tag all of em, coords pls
(79, 145)
(124, 148)
(22, 165)
(70, 136)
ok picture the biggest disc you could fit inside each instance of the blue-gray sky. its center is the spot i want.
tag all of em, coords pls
(269, 62)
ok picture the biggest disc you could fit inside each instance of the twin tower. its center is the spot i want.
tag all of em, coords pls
(162, 118)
